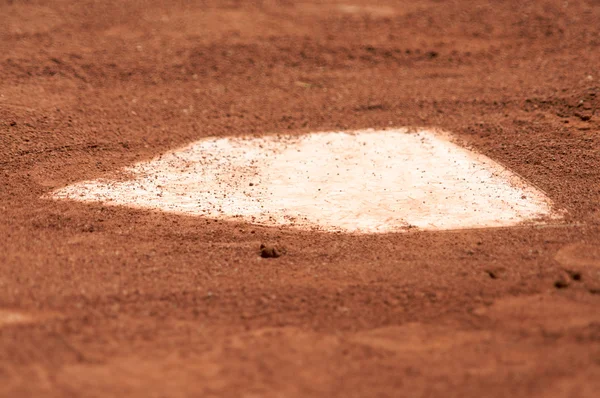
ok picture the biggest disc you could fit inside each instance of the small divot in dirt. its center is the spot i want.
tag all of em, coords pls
(576, 276)
(561, 283)
(495, 273)
(492, 274)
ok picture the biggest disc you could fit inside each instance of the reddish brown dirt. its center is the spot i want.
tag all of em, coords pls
(98, 301)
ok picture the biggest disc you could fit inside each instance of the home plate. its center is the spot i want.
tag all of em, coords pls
(363, 181)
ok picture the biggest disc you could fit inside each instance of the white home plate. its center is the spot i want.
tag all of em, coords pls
(362, 181)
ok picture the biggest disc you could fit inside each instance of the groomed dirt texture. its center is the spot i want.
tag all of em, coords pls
(102, 301)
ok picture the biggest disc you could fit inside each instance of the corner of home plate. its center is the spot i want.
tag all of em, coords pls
(367, 181)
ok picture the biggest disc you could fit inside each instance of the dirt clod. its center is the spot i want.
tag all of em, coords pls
(269, 251)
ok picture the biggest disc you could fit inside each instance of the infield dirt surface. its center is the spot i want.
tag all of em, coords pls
(110, 301)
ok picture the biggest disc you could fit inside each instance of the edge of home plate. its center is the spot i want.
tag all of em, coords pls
(365, 181)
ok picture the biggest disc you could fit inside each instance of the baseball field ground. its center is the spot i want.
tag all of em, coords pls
(342, 198)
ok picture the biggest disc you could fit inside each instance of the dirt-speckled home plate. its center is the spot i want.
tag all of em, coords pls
(362, 181)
